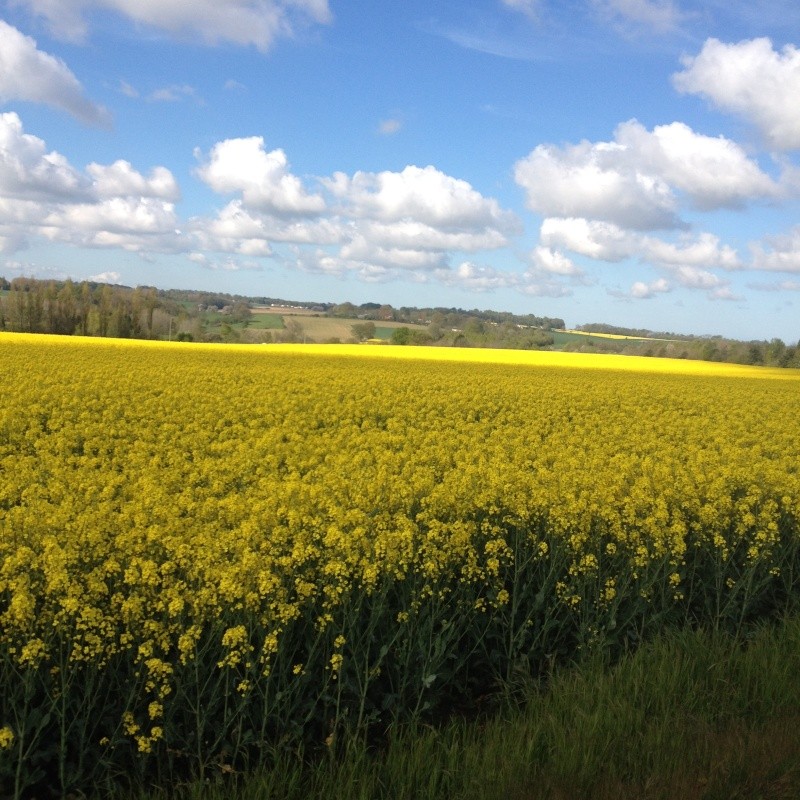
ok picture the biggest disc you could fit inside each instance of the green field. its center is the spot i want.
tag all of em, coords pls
(266, 321)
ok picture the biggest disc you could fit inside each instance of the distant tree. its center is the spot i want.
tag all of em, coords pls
(228, 333)
(401, 336)
(475, 327)
(343, 310)
(240, 312)
(777, 353)
(755, 354)
(363, 330)
(293, 332)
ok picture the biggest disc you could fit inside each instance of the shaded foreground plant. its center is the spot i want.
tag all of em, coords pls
(692, 714)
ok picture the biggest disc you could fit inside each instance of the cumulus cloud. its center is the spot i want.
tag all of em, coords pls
(361, 250)
(106, 277)
(115, 215)
(263, 178)
(29, 172)
(42, 194)
(750, 79)
(223, 265)
(415, 233)
(644, 291)
(377, 226)
(688, 259)
(27, 73)
(713, 171)
(596, 239)
(778, 253)
(594, 181)
(423, 194)
(702, 250)
(696, 278)
(633, 180)
(475, 277)
(242, 22)
(391, 223)
(548, 261)
(484, 278)
(121, 179)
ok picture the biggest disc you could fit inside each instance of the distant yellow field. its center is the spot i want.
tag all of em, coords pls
(533, 358)
(543, 358)
(616, 336)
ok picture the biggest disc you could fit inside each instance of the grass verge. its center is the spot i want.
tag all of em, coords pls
(691, 715)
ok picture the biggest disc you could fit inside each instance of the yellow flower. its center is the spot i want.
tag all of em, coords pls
(336, 662)
(6, 738)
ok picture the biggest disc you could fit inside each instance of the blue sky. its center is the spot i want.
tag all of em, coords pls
(625, 161)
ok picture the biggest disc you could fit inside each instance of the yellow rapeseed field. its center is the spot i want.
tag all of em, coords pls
(200, 542)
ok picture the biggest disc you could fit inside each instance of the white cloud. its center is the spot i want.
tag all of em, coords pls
(778, 253)
(724, 293)
(696, 278)
(546, 260)
(128, 90)
(632, 181)
(409, 220)
(659, 16)
(644, 291)
(262, 178)
(174, 94)
(530, 8)
(29, 172)
(121, 179)
(106, 277)
(27, 73)
(414, 233)
(42, 194)
(422, 194)
(225, 265)
(388, 127)
(713, 171)
(603, 241)
(242, 22)
(115, 215)
(596, 181)
(703, 250)
(753, 80)
(477, 278)
(688, 259)
(359, 249)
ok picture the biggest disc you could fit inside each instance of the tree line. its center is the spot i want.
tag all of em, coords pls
(28, 305)
(772, 353)
(445, 318)
(88, 308)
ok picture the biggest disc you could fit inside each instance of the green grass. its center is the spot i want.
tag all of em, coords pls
(691, 715)
(384, 331)
(266, 321)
